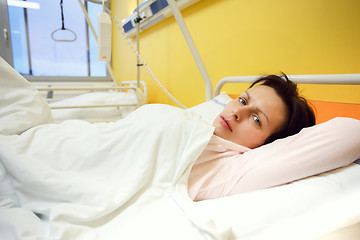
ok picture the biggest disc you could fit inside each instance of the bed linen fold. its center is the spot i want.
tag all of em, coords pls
(128, 180)
(105, 180)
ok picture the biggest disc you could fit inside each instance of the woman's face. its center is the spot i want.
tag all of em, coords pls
(250, 119)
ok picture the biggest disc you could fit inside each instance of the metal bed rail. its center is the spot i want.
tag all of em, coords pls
(87, 89)
(336, 79)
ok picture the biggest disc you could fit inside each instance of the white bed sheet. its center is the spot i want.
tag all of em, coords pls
(77, 180)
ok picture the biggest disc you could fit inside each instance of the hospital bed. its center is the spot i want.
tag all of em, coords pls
(128, 179)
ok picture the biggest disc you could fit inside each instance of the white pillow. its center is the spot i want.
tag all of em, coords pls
(211, 109)
(21, 106)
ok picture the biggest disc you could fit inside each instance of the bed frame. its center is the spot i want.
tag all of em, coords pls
(56, 93)
(339, 79)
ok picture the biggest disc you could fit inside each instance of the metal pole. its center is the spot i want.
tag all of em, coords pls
(180, 20)
(137, 44)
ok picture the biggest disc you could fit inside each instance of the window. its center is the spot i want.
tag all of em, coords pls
(41, 48)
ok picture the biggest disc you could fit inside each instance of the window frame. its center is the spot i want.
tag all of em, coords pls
(5, 34)
(6, 50)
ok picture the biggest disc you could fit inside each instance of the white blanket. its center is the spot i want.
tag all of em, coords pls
(103, 181)
(127, 180)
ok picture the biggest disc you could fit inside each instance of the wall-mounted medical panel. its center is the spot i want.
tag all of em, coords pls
(150, 13)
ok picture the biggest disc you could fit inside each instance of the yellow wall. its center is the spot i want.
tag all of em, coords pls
(241, 37)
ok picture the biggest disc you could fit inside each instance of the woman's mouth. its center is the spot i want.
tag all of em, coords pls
(225, 123)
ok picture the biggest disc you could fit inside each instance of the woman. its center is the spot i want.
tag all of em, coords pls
(264, 113)
(270, 109)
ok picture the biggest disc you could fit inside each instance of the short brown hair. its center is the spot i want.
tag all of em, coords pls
(299, 112)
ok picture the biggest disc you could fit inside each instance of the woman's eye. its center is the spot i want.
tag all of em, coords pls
(257, 120)
(242, 101)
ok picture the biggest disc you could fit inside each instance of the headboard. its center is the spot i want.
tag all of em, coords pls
(328, 110)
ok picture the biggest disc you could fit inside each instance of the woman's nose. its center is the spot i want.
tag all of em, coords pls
(240, 112)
